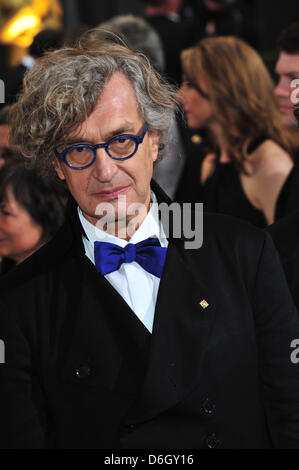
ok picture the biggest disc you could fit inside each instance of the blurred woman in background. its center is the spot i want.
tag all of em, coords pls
(4, 131)
(31, 212)
(228, 91)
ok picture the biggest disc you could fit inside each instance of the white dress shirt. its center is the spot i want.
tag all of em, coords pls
(136, 286)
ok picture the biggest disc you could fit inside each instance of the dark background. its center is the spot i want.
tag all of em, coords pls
(268, 16)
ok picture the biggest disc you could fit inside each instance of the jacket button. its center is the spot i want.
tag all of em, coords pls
(82, 372)
(129, 428)
(212, 442)
(208, 407)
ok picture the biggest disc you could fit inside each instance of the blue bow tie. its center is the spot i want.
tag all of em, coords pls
(149, 254)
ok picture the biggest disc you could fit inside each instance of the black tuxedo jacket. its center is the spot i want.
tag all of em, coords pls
(285, 234)
(82, 371)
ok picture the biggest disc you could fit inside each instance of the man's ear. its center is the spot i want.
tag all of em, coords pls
(154, 141)
(58, 168)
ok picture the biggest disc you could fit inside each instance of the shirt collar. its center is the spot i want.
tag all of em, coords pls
(150, 227)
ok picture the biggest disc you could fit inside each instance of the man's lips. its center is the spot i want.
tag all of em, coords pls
(286, 108)
(111, 193)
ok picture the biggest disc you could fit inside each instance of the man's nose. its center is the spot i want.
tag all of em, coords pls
(104, 167)
(282, 90)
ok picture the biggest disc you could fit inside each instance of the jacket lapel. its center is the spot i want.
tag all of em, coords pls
(180, 335)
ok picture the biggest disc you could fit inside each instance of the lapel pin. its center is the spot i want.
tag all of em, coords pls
(204, 304)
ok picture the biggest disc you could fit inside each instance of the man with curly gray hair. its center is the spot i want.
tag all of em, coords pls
(62, 90)
(115, 334)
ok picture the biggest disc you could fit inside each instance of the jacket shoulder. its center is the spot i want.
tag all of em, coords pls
(285, 235)
(228, 230)
(231, 243)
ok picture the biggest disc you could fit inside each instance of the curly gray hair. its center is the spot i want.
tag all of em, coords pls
(61, 91)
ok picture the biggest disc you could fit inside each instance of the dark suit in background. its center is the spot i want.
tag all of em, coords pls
(83, 372)
(176, 35)
(288, 199)
(285, 234)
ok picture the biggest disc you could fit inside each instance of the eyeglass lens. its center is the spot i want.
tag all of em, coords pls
(118, 148)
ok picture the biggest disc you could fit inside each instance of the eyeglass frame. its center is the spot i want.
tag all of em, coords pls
(137, 138)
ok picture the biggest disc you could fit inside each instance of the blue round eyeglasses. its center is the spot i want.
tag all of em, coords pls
(120, 147)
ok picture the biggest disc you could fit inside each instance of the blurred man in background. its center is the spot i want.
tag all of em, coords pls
(223, 18)
(287, 69)
(138, 34)
(176, 33)
(287, 92)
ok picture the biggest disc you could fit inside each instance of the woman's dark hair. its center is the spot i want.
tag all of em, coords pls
(45, 201)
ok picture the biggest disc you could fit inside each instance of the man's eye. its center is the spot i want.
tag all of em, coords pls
(121, 140)
(80, 150)
(4, 212)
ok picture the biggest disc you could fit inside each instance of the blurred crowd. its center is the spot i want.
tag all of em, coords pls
(233, 146)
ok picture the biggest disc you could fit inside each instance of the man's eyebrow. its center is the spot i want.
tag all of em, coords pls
(124, 129)
(288, 74)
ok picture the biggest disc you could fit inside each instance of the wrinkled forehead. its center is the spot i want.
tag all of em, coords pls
(115, 112)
